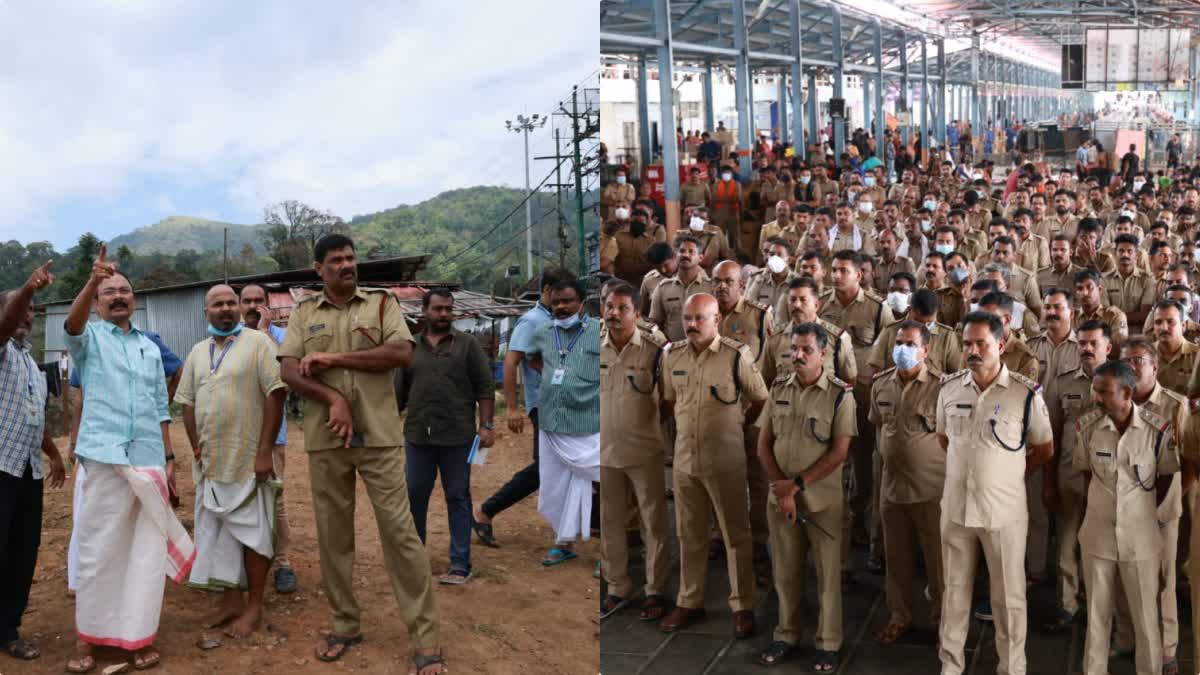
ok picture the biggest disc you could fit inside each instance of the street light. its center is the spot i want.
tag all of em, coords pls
(524, 125)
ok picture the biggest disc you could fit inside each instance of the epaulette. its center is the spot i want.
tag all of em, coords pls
(833, 330)
(1155, 420)
(1088, 419)
(881, 373)
(656, 338)
(825, 294)
(872, 294)
(734, 344)
(678, 344)
(841, 383)
(949, 377)
(1032, 385)
(372, 289)
(758, 305)
(1175, 396)
(782, 378)
(308, 298)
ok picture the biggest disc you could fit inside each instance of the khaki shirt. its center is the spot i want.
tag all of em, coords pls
(750, 324)
(952, 307)
(843, 241)
(945, 349)
(1025, 289)
(1122, 514)
(822, 188)
(1034, 253)
(615, 193)
(1102, 263)
(1178, 372)
(948, 187)
(666, 305)
(985, 458)
(839, 353)
(1054, 359)
(863, 319)
(1019, 358)
(914, 465)
(629, 429)
(694, 194)
(1130, 293)
(885, 270)
(805, 420)
(1048, 277)
(763, 289)
(1173, 408)
(1070, 401)
(1050, 226)
(649, 283)
(709, 413)
(1108, 314)
(318, 325)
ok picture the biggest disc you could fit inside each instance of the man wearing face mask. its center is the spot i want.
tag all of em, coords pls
(808, 425)
(618, 192)
(630, 264)
(768, 286)
(666, 307)
(710, 237)
(942, 351)
(904, 409)
(873, 186)
(1089, 293)
(889, 263)
(1063, 490)
(952, 297)
(713, 390)
(899, 294)
(727, 206)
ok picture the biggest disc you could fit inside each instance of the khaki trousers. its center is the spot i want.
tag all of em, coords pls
(876, 536)
(333, 477)
(905, 526)
(790, 546)
(862, 455)
(759, 488)
(645, 484)
(1071, 507)
(1193, 573)
(1037, 542)
(1168, 602)
(1004, 552)
(283, 533)
(695, 498)
(1140, 581)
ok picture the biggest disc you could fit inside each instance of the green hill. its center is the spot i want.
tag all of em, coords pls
(178, 233)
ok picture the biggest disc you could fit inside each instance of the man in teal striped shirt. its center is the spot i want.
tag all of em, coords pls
(568, 352)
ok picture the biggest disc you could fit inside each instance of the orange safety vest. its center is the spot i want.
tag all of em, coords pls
(726, 194)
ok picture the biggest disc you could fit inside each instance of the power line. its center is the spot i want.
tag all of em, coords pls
(459, 262)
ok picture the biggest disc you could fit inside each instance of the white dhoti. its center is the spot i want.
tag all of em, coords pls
(128, 540)
(229, 518)
(76, 509)
(568, 466)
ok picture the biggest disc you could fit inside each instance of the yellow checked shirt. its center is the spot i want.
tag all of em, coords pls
(629, 428)
(914, 465)
(989, 437)
(805, 420)
(318, 325)
(1122, 518)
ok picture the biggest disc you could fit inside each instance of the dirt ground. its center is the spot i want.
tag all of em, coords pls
(514, 616)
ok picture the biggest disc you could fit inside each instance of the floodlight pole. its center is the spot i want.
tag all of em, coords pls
(523, 126)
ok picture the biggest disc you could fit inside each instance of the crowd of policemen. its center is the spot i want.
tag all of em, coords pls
(947, 364)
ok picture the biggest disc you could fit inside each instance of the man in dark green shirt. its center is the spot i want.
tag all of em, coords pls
(447, 379)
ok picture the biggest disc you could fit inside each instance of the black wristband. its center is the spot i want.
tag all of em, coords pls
(171, 457)
(799, 481)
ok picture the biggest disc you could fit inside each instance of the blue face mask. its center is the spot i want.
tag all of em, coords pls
(567, 323)
(213, 330)
(958, 275)
(930, 204)
(905, 357)
(944, 249)
(869, 181)
(620, 180)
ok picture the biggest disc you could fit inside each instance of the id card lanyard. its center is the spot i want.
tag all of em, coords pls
(212, 367)
(33, 416)
(561, 371)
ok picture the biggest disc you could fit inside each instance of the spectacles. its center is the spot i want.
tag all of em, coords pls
(110, 292)
(1142, 360)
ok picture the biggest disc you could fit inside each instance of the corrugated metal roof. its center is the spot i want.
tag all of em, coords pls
(467, 304)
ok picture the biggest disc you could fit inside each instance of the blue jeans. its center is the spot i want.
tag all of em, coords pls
(422, 466)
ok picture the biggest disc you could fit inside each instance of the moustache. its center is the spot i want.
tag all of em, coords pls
(974, 359)
(692, 331)
(118, 303)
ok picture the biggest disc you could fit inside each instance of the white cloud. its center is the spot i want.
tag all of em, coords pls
(353, 107)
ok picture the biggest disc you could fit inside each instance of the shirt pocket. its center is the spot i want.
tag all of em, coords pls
(610, 371)
(589, 368)
(365, 335)
(318, 340)
(958, 421)
(641, 380)
(820, 430)
(1006, 429)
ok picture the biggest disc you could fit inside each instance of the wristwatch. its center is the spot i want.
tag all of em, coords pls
(171, 457)
(799, 481)
(488, 425)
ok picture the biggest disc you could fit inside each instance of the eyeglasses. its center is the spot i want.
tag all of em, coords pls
(110, 292)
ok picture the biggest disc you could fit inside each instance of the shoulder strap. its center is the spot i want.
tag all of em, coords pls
(878, 315)
(1158, 444)
(837, 349)
(737, 375)
(762, 334)
(1025, 419)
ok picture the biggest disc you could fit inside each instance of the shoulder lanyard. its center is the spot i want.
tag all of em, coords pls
(212, 367)
(563, 353)
(28, 371)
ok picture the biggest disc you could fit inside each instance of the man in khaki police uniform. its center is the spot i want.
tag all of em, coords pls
(339, 352)
(995, 428)
(1088, 305)
(942, 353)
(803, 303)
(1176, 356)
(631, 453)
(1015, 354)
(1130, 459)
(904, 410)
(806, 430)
(707, 380)
(666, 307)
(1063, 490)
(1130, 288)
(768, 286)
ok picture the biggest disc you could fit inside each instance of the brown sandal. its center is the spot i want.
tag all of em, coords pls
(146, 659)
(891, 633)
(653, 608)
(81, 664)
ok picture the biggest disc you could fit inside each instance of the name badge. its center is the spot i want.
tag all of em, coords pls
(559, 373)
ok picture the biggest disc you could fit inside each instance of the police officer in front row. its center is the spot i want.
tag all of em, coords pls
(995, 429)
(1129, 462)
(807, 426)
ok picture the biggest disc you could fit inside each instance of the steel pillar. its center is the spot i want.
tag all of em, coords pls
(839, 125)
(940, 123)
(783, 104)
(710, 122)
(797, 80)
(643, 105)
(905, 129)
(742, 86)
(924, 97)
(666, 104)
(880, 118)
(814, 126)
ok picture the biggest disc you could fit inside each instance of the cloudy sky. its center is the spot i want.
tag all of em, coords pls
(115, 114)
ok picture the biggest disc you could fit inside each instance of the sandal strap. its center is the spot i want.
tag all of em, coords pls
(422, 661)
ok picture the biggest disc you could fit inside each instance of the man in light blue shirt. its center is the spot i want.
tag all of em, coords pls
(525, 482)
(256, 314)
(129, 538)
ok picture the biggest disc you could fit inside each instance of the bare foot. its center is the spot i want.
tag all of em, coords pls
(224, 614)
(245, 624)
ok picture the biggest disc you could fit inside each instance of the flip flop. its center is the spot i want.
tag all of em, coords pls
(146, 659)
(285, 580)
(455, 578)
(20, 649)
(344, 641)
(86, 664)
(556, 556)
(484, 532)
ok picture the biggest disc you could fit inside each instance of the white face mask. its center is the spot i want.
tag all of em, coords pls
(1127, 214)
(865, 207)
(805, 179)
(696, 224)
(869, 181)
(726, 176)
(974, 306)
(898, 301)
(1137, 185)
(977, 176)
(622, 213)
(776, 264)
(620, 180)
(930, 204)
(926, 225)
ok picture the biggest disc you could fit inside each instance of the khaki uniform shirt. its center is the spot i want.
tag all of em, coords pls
(805, 420)
(985, 458)
(649, 283)
(1173, 408)
(1129, 293)
(1070, 401)
(1050, 226)
(945, 349)
(318, 325)
(1108, 314)
(694, 194)
(666, 306)
(750, 323)
(1034, 253)
(1102, 263)
(615, 193)
(1122, 518)
(709, 413)
(1019, 358)
(822, 188)
(948, 187)
(843, 241)
(1178, 372)
(629, 429)
(885, 270)
(951, 306)
(1048, 277)
(914, 465)
(711, 239)
(763, 289)
(863, 319)
(1054, 359)
(839, 353)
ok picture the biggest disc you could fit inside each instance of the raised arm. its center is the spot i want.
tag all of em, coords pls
(16, 305)
(82, 306)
